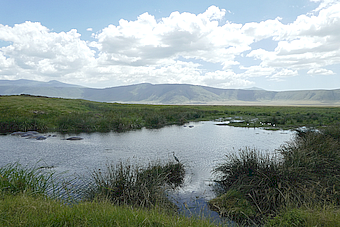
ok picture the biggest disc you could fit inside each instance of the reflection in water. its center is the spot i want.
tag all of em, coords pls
(200, 148)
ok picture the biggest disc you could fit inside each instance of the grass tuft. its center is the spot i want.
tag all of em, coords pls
(305, 172)
(15, 178)
(127, 184)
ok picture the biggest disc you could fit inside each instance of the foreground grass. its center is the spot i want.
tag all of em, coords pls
(121, 195)
(23, 113)
(24, 210)
(15, 178)
(327, 216)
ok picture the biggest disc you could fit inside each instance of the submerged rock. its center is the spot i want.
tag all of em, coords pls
(74, 138)
(41, 138)
(19, 133)
(30, 135)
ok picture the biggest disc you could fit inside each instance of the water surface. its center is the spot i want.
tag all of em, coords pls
(200, 148)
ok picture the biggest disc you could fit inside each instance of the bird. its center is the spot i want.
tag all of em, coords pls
(173, 153)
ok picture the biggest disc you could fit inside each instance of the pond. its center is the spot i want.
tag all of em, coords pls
(200, 147)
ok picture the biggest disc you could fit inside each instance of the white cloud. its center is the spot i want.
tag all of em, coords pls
(89, 29)
(175, 49)
(35, 52)
(258, 71)
(284, 73)
(146, 41)
(324, 4)
(320, 72)
(222, 79)
(311, 42)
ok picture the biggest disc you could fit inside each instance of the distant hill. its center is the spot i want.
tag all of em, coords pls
(171, 94)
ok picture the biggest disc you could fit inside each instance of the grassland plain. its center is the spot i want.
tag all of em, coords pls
(25, 112)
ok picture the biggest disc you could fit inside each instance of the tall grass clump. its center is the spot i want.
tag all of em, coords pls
(311, 164)
(15, 178)
(127, 184)
(304, 172)
(248, 178)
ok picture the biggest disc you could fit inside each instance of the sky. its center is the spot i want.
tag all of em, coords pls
(274, 45)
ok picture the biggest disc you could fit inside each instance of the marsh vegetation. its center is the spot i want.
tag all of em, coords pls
(117, 195)
(24, 113)
(297, 185)
(303, 175)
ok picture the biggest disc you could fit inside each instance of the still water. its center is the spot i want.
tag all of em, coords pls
(200, 148)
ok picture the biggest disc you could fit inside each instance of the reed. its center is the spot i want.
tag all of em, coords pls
(139, 186)
(15, 178)
(256, 177)
(305, 171)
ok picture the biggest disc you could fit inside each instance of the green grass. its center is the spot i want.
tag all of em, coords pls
(23, 113)
(135, 185)
(121, 195)
(327, 216)
(304, 173)
(15, 178)
(23, 210)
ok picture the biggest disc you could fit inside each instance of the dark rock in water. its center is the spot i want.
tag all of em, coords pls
(17, 133)
(41, 138)
(24, 134)
(74, 138)
(31, 137)
(32, 132)
(29, 133)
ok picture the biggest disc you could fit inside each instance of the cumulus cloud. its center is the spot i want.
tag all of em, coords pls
(320, 72)
(148, 42)
(310, 42)
(36, 52)
(324, 4)
(176, 49)
(223, 79)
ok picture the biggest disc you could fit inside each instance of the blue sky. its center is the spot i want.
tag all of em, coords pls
(274, 45)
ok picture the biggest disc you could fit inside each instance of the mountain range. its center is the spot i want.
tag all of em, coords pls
(171, 94)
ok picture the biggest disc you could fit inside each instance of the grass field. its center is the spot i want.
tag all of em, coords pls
(23, 113)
